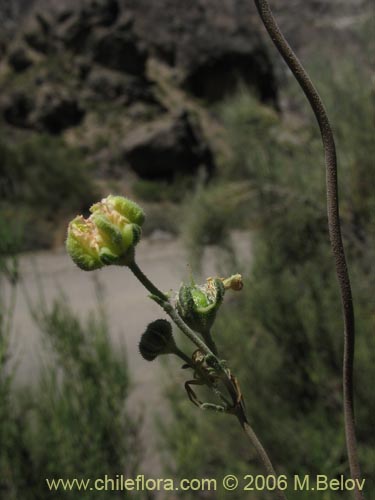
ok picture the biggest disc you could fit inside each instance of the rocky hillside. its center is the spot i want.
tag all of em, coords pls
(128, 81)
(129, 88)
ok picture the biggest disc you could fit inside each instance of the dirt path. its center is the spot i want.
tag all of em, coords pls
(129, 311)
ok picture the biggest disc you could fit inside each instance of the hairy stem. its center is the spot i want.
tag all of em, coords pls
(139, 274)
(260, 450)
(333, 225)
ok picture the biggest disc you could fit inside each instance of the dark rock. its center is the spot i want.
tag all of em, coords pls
(216, 75)
(212, 46)
(101, 12)
(38, 40)
(56, 110)
(74, 32)
(109, 84)
(167, 147)
(63, 14)
(49, 109)
(39, 33)
(82, 68)
(44, 23)
(75, 29)
(17, 108)
(3, 49)
(120, 50)
(19, 59)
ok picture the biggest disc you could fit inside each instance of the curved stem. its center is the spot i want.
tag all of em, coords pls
(139, 274)
(260, 450)
(333, 225)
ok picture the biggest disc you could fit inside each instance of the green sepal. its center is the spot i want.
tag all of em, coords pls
(111, 234)
(85, 260)
(137, 233)
(78, 245)
(198, 305)
(128, 208)
(107, 257)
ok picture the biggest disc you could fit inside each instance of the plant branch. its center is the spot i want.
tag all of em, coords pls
(164, 302)
(210, 342)
(333, 225)
(260, 450)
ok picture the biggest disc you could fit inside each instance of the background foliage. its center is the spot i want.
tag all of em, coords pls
(41, 181)
(71, 422)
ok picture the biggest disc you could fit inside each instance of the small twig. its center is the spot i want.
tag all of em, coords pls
(334, 228)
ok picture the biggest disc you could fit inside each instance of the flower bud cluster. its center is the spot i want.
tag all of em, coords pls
(108, 236)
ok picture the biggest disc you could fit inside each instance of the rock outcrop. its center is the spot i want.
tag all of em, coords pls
(213, 46)
(84, 68)
(167, 147)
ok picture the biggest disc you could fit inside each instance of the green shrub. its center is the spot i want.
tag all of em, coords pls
(73, 422)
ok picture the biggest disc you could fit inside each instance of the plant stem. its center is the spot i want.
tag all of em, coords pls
(139, 274)
(334, 228)
(184, 357)
(240, 412)
(210, 342)
(260, 450)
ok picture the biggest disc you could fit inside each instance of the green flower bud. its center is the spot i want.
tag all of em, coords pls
(157, 340)
(108, 236)
(198, 305)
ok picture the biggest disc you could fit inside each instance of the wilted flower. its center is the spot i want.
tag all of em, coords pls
(157, 339)
(108, 236)
(234, 282)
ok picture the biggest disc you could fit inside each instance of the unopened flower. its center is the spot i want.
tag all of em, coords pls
(108, 236)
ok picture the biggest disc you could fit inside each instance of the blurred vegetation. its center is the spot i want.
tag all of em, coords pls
(159, 191)
(282, 335)
(72, 421)
(42, 180)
